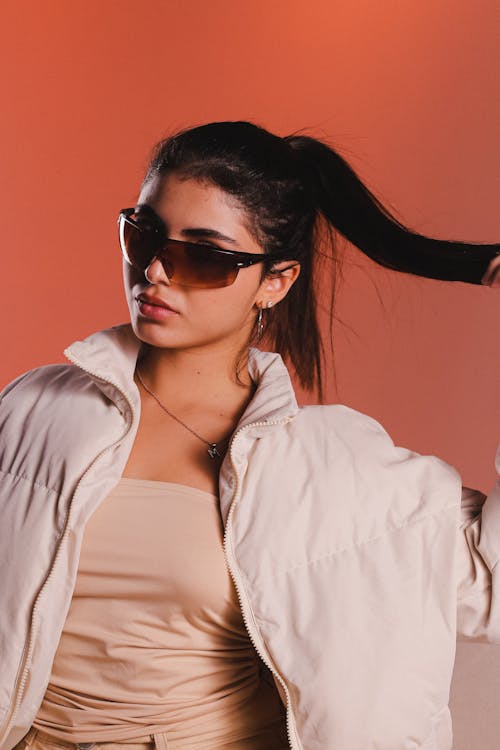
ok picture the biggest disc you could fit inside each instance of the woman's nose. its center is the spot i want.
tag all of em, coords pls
(155, 272)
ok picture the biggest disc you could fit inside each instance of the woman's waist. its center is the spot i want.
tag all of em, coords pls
(233, 714)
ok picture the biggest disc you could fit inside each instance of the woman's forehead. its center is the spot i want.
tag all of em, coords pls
(184, 202)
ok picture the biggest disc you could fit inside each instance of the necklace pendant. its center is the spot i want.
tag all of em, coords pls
(212, 451)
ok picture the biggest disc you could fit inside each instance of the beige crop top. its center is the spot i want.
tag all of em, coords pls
(154, 639)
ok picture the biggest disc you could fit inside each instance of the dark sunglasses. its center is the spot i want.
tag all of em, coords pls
(143, 237)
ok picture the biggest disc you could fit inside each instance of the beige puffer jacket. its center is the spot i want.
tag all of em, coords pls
(357, 562)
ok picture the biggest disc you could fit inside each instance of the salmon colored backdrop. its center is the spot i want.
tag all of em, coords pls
(407, 91)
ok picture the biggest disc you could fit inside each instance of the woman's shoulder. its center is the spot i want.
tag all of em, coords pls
(55, 377)
(349, 454)
(52, 406)
(341, 419)
(338, 430)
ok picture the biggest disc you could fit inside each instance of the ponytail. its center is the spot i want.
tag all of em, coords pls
(357, 214)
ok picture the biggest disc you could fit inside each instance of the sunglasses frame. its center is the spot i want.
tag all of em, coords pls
(241, 259)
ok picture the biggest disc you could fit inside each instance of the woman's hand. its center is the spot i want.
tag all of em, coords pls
(492, 275)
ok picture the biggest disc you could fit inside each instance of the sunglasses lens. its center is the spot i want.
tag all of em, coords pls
(204, 268)
(186, 264)
(137, 244)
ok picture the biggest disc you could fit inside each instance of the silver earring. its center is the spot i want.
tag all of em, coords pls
(260, 324)
(260, 319)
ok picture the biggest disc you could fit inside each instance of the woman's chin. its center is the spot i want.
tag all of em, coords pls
(155, 334)
(149, 331)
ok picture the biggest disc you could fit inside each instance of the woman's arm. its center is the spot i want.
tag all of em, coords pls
(478, 615)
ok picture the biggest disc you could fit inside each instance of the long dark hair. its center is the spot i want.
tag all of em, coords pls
(293, 189)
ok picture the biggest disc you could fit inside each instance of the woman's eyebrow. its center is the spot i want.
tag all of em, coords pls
(209, 233)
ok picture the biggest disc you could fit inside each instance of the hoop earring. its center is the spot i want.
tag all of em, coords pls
(260, 319)
(260, 324)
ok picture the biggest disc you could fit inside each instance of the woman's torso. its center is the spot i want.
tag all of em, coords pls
(154, 638)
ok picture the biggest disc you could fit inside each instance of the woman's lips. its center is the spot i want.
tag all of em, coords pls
(150, 299)
(154, 310)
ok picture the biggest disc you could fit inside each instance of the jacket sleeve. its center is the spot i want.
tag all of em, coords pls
(478, 601)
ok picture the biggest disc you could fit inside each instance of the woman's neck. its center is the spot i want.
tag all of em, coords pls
(190, 378)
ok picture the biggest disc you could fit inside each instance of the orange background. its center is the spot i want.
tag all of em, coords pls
(408, 92)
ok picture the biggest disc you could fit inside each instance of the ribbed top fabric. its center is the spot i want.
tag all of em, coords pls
(154, 639)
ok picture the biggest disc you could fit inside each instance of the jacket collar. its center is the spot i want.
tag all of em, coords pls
(111, 355)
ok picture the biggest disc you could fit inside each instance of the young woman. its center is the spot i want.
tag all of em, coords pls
(190, 559)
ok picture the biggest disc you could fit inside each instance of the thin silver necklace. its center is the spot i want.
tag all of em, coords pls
(212, 451)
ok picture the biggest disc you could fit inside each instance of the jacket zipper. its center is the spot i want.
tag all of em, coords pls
(293, 740)
(28, 646)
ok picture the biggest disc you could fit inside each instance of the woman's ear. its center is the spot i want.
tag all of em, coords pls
(278, 281)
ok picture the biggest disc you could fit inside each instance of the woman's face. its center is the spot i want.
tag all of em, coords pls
(201, 317)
